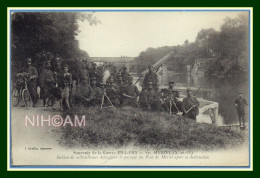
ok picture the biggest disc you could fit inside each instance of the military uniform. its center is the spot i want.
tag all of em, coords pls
(32, 83)
(192, 104)
(150, 77)
(112, 91)
(47, 82)
(241, 104)
(83, 94)
(170, 95)
(149, 99)
(129, 94)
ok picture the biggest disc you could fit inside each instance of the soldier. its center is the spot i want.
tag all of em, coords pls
(240, 104)
(32, 82)
(150, 77)
(149, 99)
(125, 75)
(94, 72)
(112, 91)
(190, 105)
(130, 94)
(66, 85)
(47, 82)
(171, 99)
(96, 93)
(83, 93)
(85, 69)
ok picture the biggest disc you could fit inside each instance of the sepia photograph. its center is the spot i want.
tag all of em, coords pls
(130, 88)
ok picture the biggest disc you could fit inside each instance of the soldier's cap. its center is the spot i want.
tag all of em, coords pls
(171, 82)
(188, 89)
(28, 59)
(66, 65)
(124, 67)
(150, 66)
(240, 92)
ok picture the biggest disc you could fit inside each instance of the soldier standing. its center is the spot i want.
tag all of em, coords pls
(240, 104)
(150, 77)
(129, 94)
(66, 85)
(190, 105)
(47, 82)
(94, 72)
(125, 75)
(32, 82)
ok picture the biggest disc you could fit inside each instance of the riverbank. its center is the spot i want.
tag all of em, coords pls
(131, 126)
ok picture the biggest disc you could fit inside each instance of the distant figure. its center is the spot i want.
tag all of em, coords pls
(190, 106)
(240, 104)
(151, 76)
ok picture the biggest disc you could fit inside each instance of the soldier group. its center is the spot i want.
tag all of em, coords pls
(105, 86)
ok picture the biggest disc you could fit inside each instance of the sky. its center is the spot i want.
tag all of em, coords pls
(129, 33)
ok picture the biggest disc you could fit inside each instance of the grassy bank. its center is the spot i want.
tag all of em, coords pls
(124, 126)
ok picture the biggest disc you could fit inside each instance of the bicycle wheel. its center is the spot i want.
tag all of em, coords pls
(15, 97)
(27, 98)
(50, 102)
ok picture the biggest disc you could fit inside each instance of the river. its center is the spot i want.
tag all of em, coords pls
(221, 90)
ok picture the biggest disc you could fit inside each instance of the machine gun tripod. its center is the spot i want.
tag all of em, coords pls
(104, 95)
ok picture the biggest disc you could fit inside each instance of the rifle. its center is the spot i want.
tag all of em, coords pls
(158, 68)
(131, 69)
(119, 70)
(197, 91)
(138, 79)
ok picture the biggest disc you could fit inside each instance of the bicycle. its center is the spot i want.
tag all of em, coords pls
(21, 92)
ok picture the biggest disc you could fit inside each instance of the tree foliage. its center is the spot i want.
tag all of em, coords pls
(47, 32)
(228, 48)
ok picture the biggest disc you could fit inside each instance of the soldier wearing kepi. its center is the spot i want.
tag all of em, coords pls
(47, 82)
(190, 106)
(150, 77)
(130, 94)
(32, 82)
(240, 104)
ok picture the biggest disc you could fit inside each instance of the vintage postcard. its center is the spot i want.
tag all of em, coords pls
(130, 88)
